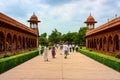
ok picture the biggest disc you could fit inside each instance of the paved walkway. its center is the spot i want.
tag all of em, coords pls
(75, 67)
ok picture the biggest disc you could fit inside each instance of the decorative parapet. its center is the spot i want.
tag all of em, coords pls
(110, 24)
(8, 20)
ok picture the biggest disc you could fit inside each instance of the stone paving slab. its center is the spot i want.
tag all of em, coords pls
(76, 67)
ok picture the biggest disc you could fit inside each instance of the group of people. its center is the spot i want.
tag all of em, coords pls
(65, 47)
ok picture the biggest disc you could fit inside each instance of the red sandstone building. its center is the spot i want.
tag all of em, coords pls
(16, 37)
(105, 38)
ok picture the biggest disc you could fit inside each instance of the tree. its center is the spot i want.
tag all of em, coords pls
(70, 37)
(81, 34)
(42, 39)
(54, 37)
(44, 35)
(76, 38)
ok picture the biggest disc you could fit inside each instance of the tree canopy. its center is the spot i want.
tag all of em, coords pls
(54, 37)
(70, 37)
(42, 39)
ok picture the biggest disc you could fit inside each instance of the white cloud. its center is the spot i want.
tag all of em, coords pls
(60, 13)
(69, 15)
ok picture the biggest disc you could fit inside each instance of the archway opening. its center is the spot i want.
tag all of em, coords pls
(2, 42)
(23, 43)
(14, 44)
(110, 42)
(100, 44)
(104, 44)
(9, 42)
(116, 39)
(19, 42)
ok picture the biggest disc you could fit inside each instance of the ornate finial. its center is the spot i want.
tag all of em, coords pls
(115, 15)
(33, 13)
(108, 19)
(90, 13)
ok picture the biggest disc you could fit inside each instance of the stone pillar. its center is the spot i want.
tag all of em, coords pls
(114, 49)
(106, 48)
(86, 43)
(5, 44)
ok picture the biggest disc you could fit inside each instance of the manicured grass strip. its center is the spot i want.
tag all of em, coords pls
(102, 58)
(10, 62)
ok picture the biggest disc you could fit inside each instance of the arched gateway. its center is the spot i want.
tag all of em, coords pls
(105, 38)
(16, 37)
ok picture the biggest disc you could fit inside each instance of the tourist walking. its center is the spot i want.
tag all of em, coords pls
(45, 53)
(73, 47)
(65, 50)
(39, 48)
(70, 47)
(76, 48)
(61, 48)
(53, 52)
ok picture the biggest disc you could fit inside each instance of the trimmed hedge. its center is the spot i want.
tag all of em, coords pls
(10, 62)
(102, 58)
(42, 49)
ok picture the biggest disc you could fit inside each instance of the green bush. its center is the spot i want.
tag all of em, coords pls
(42, 49)
(90, 50)
(102, 58)
(117, 56)
(10, 62)
(6, 55)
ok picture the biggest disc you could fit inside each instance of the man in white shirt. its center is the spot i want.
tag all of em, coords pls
(66, 50)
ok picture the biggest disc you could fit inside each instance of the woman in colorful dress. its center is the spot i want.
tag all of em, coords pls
(53, 52)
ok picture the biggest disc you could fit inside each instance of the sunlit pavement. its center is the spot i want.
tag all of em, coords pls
(75, 67)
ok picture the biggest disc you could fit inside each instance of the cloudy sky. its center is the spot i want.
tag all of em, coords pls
(64, 15)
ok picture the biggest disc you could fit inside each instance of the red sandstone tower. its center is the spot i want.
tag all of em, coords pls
(34, 24)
